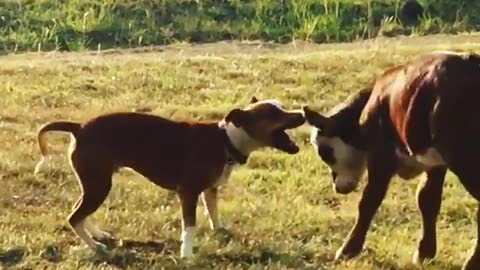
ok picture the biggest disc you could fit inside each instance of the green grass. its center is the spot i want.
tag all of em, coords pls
(280, 209)
(90, 24)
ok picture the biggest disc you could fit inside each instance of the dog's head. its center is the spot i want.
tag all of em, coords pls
(337, 142)
(263, 124)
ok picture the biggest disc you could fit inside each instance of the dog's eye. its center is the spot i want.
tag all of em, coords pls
(272, 114)
(326, 153)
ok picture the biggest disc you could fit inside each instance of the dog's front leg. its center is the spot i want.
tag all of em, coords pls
(189, 206)
(210, 199)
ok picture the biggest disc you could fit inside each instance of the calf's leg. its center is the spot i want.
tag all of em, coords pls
(429, 198)
(380, 172)
(473, 261)
(469, 179)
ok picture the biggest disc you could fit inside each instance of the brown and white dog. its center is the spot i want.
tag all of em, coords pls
(418, 117)
(191, 158)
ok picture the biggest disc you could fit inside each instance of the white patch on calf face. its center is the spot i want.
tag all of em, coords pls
(349, 163)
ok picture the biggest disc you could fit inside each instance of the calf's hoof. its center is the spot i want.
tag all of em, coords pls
(347, 252)
(423, 254)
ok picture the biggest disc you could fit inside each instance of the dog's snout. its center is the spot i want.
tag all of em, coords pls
(293, 120)
(299, 118)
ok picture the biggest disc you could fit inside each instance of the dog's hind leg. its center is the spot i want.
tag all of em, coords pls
(95, 185)
(209, 198)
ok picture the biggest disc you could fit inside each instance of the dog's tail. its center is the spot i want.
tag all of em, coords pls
(62, 126)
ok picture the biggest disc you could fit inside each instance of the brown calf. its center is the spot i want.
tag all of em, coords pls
(188, 157)
(419, 117)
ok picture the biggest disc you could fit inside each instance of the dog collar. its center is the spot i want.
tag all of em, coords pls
(233, 155)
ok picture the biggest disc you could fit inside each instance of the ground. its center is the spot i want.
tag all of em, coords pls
(280, 210)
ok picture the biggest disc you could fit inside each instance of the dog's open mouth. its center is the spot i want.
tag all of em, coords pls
(282, 141)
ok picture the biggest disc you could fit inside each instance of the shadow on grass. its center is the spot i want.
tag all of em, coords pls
(127, 252)
(260, 256)
(146, 254)
(11, 257)
(380, 262)
(168, 246)
(52, 254)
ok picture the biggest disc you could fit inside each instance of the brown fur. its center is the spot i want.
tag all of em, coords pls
(187, 157)
(430, 103)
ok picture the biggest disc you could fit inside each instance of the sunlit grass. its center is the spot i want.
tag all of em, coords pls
(280, 209)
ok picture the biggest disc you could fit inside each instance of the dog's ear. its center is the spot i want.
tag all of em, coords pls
(254, 100)
(315, 119)
(237, 117)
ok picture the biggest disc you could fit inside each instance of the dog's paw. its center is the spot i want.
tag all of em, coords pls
(417, 260)
(39, 166)
(104, 236)
(102, 250)
(186, 252)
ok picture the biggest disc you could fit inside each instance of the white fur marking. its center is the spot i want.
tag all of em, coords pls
(95, 231)
(450, 53)
(430, 158)
(273, 102)
(239, 138)
(82, 233)
(186, 250)
(350, 165)
(313, 136)
(39, 166)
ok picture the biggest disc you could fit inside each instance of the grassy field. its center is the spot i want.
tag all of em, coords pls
(88, 24)
(280, 210)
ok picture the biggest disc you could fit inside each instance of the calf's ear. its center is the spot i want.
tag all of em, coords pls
(237, 116)
(315, 119)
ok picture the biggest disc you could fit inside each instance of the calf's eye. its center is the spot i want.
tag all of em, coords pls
(326, 153)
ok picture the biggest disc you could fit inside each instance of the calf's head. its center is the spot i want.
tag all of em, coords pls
(337, 140)
(263, 124)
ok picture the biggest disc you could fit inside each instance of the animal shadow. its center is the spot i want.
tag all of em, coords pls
(264, 256)
(11, 257)
(127, 252)
(52, 254)
(168, 246)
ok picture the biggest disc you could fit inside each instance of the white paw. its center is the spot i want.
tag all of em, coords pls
(39, 166)
(186, 249)
(416, 258)
(186, 252)
(101, 235)
(338, 254)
